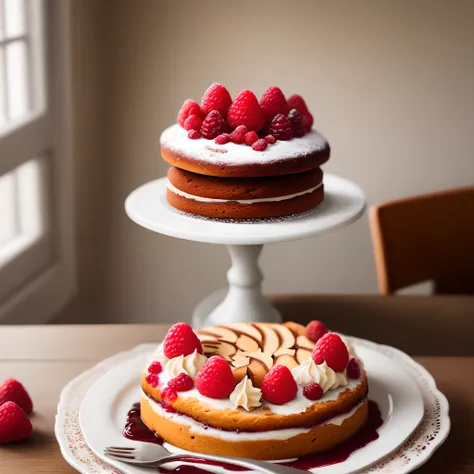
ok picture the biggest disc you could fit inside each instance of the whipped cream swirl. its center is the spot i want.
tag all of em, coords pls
(245, 395)
(190, 364)
(309, 372)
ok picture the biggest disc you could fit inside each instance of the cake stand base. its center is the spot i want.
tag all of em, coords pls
(344, 203)
(244, 300)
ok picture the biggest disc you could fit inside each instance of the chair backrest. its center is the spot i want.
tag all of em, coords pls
(428, 237)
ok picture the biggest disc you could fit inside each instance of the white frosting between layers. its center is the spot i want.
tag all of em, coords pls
(175, 138)
(322, 374)
(282, 434)
(190, 365)
(240, 201)
(245, 395)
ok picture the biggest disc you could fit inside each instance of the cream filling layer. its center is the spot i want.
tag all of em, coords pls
(282, 434)
(177, 191)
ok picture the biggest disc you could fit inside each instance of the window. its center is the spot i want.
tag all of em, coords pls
(36, 247)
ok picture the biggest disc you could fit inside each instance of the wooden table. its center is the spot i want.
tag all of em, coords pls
(45, 358)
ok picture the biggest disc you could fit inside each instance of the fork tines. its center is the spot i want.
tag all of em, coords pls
(119, 452)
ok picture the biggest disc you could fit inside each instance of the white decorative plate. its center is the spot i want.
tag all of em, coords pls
(400, 403)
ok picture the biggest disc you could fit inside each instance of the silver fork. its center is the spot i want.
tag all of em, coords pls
(154, 455)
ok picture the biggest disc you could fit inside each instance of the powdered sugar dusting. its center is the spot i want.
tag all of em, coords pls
(175, 138)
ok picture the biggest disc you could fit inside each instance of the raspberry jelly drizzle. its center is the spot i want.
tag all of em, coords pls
(136, 430)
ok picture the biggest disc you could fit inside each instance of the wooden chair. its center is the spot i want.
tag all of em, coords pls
(424, 238)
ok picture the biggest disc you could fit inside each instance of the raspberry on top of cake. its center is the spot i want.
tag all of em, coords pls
(252, 365)
(241, 120)
(244, 131)
(258, 390)
(224, 144)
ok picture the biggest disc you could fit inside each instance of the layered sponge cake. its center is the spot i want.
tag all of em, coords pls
(244, 198)
(249, 145)
(257, 390)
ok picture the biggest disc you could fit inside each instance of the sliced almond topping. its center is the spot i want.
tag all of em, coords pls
(239, 374)
(286, 360)
(220, 332)
(296, 328)
(302, 355)
(209, 347)
(271, 341)
(263, 357)
(303, 341)
(256, 373)
(222, 348)
(246, 343)
(290, 352)
(240, 360)
(246, 328)
(287, 338)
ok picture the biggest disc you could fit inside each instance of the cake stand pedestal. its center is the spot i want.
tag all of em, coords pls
(243, 300)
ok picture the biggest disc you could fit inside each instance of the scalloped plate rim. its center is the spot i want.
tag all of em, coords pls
(445, 422)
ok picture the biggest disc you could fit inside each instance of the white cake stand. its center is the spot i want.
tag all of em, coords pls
(344, 202)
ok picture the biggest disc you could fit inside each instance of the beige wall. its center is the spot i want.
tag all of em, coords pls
(390, 84)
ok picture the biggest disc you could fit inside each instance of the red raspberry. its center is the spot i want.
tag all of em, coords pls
(155, 367)
(14, 424)
(353, 369)
(185, 109)
(245, 110)
(308, 121)
(194, 134)
(152, 379)
(196, 110)
(273, 102)
(215, 379)
(260, 145)
(315, 330)
(270, 139)
(213, 125)
(331, 348)
(296, 121)
(216, 97)
(279, 386)
(241, 129)
(313, 391)
(238, 135)
(281, 128)
(168, 395)
(251, 138)
(182, 383)
(193, 122)
(222, 139)
(297, 102)
(237, 138)
(181, 340)
(13, 391)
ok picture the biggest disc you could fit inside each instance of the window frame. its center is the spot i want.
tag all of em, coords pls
(42, 293)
